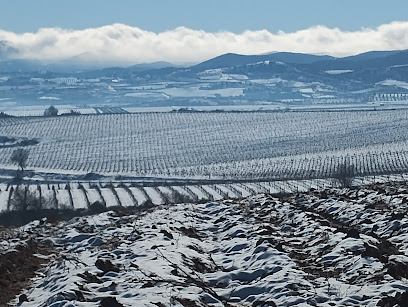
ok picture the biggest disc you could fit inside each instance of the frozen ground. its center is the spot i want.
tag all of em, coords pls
(334, 247)
(276, 145)
(81, 196)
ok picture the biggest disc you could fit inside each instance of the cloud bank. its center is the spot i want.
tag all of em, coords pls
(125, 44)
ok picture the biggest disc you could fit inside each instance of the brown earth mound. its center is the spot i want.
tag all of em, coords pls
(17, 267)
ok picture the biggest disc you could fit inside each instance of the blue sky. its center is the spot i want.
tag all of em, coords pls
(124, 32)
(211, 15)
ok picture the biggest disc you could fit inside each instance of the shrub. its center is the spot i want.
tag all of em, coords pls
(344, 174)
(177, 198)
(97, 207)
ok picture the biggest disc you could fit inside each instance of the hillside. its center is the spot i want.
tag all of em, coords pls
(200, 145)
(232, 59)
(331, 247)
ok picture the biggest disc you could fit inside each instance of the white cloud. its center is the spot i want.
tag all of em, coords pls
(122, 43)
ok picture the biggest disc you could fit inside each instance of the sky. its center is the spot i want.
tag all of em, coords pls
(138, 31)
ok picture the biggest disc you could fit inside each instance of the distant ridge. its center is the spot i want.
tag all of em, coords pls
(150, 66)
(366, 60)
(233, 59)
(228, 60)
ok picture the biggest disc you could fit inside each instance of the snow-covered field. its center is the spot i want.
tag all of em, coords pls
(333, 247)
(214, 145)
(81, 196)
(38, 110)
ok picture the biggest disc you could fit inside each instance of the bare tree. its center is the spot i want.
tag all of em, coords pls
(19, 157)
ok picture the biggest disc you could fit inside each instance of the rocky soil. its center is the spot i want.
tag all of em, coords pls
(335, 247)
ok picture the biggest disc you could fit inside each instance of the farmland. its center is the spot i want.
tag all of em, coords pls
(212, 145)
(328, 247)
(206, 209)
(80, 196)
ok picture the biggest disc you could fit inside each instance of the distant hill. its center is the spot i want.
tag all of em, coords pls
(365, 60)
(232, 59)
(283, 77)
(7, 65)
(150, 66)
(370, 55)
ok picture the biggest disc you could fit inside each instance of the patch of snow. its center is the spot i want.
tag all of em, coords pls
(49, 98)
(109, 197)
(4, 196)
(402, 65)
(63, 198)
(210, 190)
(138, 194)
(198, 192)
(306, 90)
(155, 196)
(78, 198)
(93, 195)
(338, 71)
(390, 82)
(125, 199)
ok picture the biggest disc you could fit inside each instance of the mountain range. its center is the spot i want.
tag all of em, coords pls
(280, 77)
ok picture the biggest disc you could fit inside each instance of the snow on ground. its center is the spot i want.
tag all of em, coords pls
(338, 71)
(78, 198)
(93, 195)
(213, 193)
(33, 189)
(63, 198)
(270, 188)
(109, 197)
(300, 186)
(3, 186)
(196, 91)
(138, 194)
(335, 247)
(257, 188)
(48, 194)
(181, 191)
(38, 110)
(4, 196)
(243, 192)
(396, 83)
(196, 191)
(154, 195)
(165, 190)
(125, 198)
(74, 185)
(228, 192)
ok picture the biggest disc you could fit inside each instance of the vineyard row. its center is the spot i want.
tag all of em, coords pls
(83, 195)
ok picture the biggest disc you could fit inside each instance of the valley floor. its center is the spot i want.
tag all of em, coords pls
(335, 247)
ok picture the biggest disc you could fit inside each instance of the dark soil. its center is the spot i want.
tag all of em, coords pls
(17, 267)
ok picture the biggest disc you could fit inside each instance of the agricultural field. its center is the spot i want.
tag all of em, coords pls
(323, 247)
(79, 196)
(212, 145)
